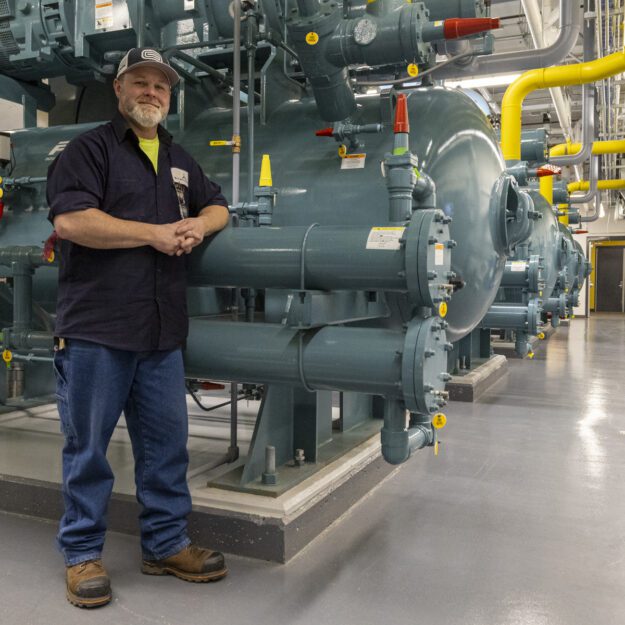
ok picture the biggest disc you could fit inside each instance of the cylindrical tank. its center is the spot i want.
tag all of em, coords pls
(546, 241)
(455, 145)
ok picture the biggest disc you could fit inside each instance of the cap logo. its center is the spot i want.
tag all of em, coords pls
(151, 55)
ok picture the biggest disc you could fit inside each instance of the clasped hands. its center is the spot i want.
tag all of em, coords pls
(180, 237)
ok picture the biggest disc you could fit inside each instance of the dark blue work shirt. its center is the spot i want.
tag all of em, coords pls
(132, 299)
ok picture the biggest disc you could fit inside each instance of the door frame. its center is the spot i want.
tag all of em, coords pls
(592, 244)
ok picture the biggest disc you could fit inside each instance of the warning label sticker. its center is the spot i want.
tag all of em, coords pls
(439, 254)
(517, 265)
(385, 238)
(103, 14)
(353, 161)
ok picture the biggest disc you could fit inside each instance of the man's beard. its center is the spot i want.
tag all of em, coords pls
(145, 115)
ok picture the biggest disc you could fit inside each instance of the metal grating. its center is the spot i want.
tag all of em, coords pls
(5, 9)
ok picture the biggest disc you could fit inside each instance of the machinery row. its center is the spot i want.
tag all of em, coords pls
(390, 225)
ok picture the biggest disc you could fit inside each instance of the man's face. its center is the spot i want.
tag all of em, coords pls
(143, 95)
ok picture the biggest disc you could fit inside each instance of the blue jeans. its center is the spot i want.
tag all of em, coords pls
(94, 384)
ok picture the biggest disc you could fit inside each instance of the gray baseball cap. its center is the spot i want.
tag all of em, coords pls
(147, 57)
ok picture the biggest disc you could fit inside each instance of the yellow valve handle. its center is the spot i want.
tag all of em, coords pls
(530, 355)
(541, 336)
(342, 150)
(436, 448)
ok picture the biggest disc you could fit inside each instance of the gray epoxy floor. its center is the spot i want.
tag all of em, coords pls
(519, 521)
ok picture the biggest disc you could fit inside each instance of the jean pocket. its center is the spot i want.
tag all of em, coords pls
(59, 365)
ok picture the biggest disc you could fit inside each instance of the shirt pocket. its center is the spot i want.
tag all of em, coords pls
(126, 199)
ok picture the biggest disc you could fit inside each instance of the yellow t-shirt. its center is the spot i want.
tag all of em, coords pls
(150, 147)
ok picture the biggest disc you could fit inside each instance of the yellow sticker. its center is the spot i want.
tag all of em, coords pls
(50, 258)
(342, 150)
(7, 356)
(413, 70)
(442, 309)
(312, 38)
(439, 420)
(216, 143)
(1, 192)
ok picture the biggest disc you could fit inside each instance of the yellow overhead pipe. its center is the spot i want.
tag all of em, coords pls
(598, 147)
(602, 185)
(557, 76)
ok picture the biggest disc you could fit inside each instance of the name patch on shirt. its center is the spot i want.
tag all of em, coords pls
(181, 184)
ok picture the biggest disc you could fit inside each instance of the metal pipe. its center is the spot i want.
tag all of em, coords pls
(22, 297)
(595, 216)
(211, 71)
(588, 108)
(592, 185)
(506, 62)
(251, 55)
(236, 103)
(263, 85)
(141, 23)
(398, 441)
(277, 257)
(511, 107)
(602, 185)
(334, 358)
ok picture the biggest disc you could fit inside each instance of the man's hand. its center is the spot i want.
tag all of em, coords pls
(166, 239)
(192, 232)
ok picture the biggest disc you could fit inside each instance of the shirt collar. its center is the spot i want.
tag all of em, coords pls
(121, 128)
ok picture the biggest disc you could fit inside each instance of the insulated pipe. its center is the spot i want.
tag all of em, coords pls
(523, 274)
(570, 22)
(364, 360)
(592, 185)
(562, 75)
(602, 185)
(514, 316)
(398, 441)
(588, 109)
(598, 147)
(595, 216)
(330, 258)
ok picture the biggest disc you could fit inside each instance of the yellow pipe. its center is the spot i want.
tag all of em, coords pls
(598, 147)
(564, 219)
(557, 76)
(545, 186)
(602, 185)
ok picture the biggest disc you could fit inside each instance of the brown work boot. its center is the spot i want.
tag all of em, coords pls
(88, 585)
(193, 564)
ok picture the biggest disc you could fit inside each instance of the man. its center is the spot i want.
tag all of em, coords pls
(128, 205)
